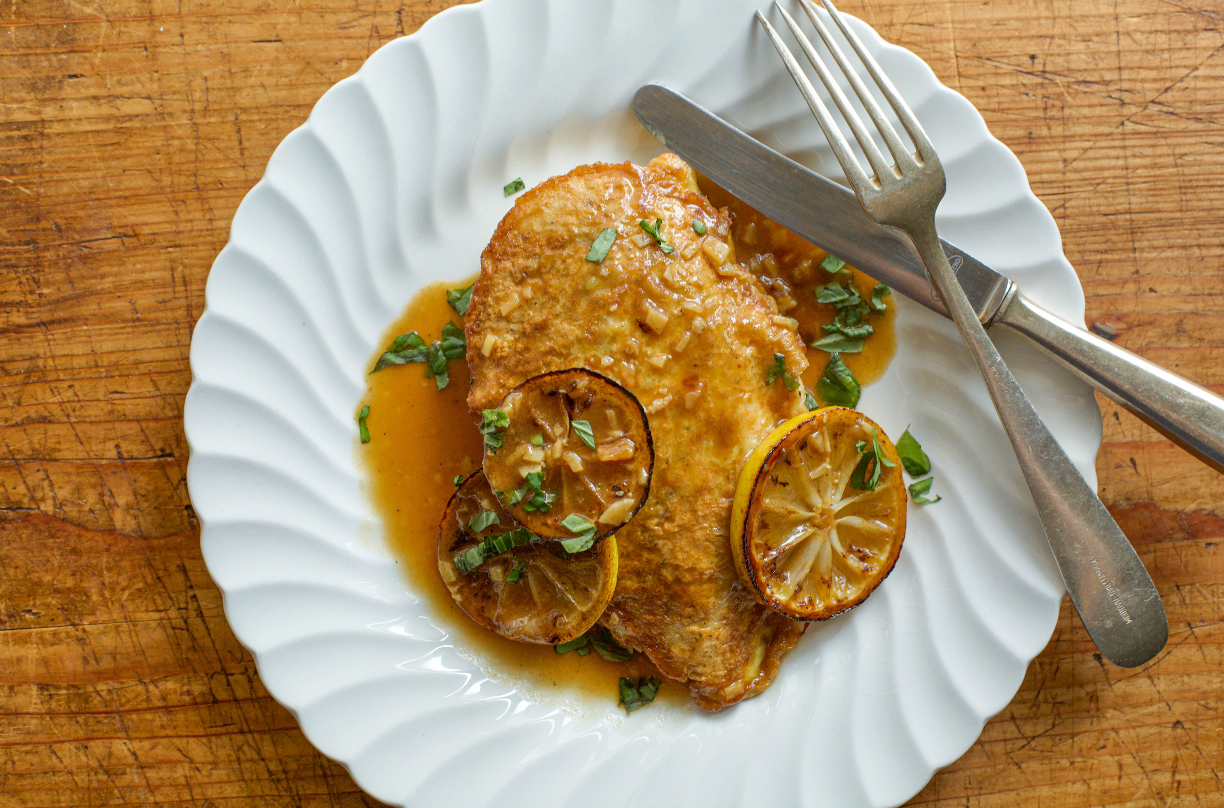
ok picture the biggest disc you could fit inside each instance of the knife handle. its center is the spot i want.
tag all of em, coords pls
(1189, 415)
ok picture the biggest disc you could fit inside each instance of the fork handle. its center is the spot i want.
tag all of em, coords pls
(1189, 415)
(1111, 590)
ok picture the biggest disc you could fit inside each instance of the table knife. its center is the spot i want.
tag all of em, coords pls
(830, 216)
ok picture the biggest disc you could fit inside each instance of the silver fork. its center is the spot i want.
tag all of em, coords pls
(1107, 582)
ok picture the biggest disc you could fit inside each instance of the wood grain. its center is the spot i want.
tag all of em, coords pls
(129, 132)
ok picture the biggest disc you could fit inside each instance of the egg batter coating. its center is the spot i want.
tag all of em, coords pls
(693, 335)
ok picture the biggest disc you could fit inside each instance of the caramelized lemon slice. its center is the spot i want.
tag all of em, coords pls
(532, 591)
(815, 528)
(569, 445)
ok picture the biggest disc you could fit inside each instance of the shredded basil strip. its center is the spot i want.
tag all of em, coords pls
(837, 385)
(460, 299)
(877, 295)
(919, 489)
(839, 343)
(483, 521)
(809, 399)
(404, 349)
(873, 459)
(609, 649)
(654, 231)
(477, 554)
(699, 227)
(573, 645)
(860, 331)
(790, 381)
(513, 187)
(493, 423)
(832, 292)
(532, 491)
(833, 264)
(409, 347)
(601, 245)
(913, 458)
(537, 440)
(458, 480)
(634, 695)
(776, 369)
(584, 432)
(517, 573)
(362, 429)
(576, 523)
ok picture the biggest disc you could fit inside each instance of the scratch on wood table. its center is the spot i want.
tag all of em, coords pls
(129, 132)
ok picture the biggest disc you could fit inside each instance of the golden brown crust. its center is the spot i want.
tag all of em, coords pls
(693, 341)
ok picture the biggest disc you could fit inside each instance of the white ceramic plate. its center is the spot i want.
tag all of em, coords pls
(395, 181)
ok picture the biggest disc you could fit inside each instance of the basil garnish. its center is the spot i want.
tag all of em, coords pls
(919, 489)
(601, 245)
(513, 187)
(575, 523)
(460, 299)
(834, 264)
(517, 572)
(477, 554)
(837, 385)
(492, 424)
(482, 521)
(913, 458)
(699, 227)
(361, 424)
(584, 432)
(654, 231)
(634, 695)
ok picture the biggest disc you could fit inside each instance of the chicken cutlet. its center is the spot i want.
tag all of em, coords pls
(694, 336)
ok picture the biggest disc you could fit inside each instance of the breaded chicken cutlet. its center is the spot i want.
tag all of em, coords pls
(693, 336)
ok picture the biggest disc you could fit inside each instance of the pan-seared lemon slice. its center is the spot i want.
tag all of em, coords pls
(818, 519)
(514, 583)
(569, 453)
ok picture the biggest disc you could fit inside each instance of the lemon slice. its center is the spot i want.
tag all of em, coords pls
(569, 453)
(808, 540)
(532, 591)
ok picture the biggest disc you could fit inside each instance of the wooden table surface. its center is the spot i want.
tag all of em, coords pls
(129, 132)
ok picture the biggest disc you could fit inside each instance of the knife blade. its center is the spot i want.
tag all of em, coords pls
(830, 216)
(814, 207)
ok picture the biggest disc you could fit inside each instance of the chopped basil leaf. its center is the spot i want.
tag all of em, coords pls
(610, 650)
(776, 369)
(454, 343)
(879, 452)
(460, 299)
(537, 440)
(872, 462)
(513, 187)
(572, 645)
(404, 349)
(601, 245)
(458, 480)
(575, 523)
(877, 296)
(517, 573)
(833, 264)
(361, 424)
(832, 292)
(532, 491)
(839, 343)
(913, 458)
(584, 432)
(435, 365)
(482, 521)
(636, 695)
(477, 554)
(790, 381)
(837, 385)
(919, 489)
(493, 424)
(654, 231)
(860, 331)
(699, 227)
(809, 398)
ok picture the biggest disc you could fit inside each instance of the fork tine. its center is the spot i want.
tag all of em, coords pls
(899, 150)
(881, 167)
(841, 149)
(922, 143)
